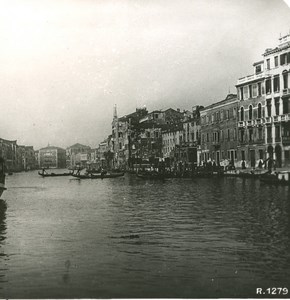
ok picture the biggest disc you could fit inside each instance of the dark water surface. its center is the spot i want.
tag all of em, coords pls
(125, 237)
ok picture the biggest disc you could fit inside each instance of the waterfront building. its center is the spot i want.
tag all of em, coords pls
(264, 107)
(125, 136)
(52, 157)
(78, 155)
(8, 151)
(251, 117)
(277, 116)
(219, 138)
(172, 138)
(190, 149)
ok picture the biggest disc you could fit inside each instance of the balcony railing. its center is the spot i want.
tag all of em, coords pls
(286, 92)
(285, 118)
(286, 140)
(277, 139)
(276, 119)
(269, 140)
(268, 120)
(241, 124)
(259, 121)
(250, 78)
(250, 123)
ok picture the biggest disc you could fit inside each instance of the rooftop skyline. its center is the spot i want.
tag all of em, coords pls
(64, 64)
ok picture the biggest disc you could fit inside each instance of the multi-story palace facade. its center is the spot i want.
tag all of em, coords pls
(219, 137)
(264, 108)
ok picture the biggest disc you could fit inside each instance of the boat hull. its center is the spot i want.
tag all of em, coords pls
(98, 176)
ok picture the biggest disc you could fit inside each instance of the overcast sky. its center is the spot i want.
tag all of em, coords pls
(64, 64)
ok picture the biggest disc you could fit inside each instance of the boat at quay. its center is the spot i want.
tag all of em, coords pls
(2, 176)
(277, 178)
(97, 176)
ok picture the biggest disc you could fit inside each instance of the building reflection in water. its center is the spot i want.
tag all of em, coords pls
(3, 256)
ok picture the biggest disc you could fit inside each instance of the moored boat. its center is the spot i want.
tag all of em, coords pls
(98, 176)
(152, 175)
(2, 176)
(278, 178)
(45, 174)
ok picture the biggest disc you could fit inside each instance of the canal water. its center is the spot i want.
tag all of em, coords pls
(126, 237)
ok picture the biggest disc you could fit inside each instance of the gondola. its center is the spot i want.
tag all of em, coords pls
(277, 178)
(54, 174)
(97, 176)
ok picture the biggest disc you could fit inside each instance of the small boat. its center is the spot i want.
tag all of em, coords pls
(54, 174)
(151, 175)
(278, 178)
(2, 176)
(97, 176)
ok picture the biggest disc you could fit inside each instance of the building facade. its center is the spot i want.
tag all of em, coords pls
(219, 137)
(264, 107)
(52, 157)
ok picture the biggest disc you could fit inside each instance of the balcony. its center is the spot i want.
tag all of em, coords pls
(241, 124)
(285, 118)
(276, 119)
(286, 92)
(250, 78)
(259, 121)
(277, 139)
(268, 120)
(286, 140)
(250, 123)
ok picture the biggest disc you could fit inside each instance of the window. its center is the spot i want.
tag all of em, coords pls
(259, 89)
(229, 136)
(254, 90)
(269, 107)
(250, 91)
(277, 106)
(261, 156)
(258, 69)
(269, 132)
(242, 135)
(260, 133)
(259, 111)
(277, 131)
(285, 79)
(268, 86)
(251, 134)
(276, 84)
(242, 93)
(242, 114)
(276, 61)
(268, 63)
(246, 92)
(243, 154)
(250, 112)
(283, 59)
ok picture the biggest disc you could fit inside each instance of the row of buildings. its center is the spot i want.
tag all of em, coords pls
(248, 127)
(17, 157)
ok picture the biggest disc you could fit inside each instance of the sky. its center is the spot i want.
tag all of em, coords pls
(65, 63)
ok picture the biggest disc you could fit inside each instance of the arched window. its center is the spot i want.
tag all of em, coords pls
(242, 114)
(259, 111)
(250, 112)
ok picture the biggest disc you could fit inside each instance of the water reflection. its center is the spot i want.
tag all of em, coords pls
(3, 256)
